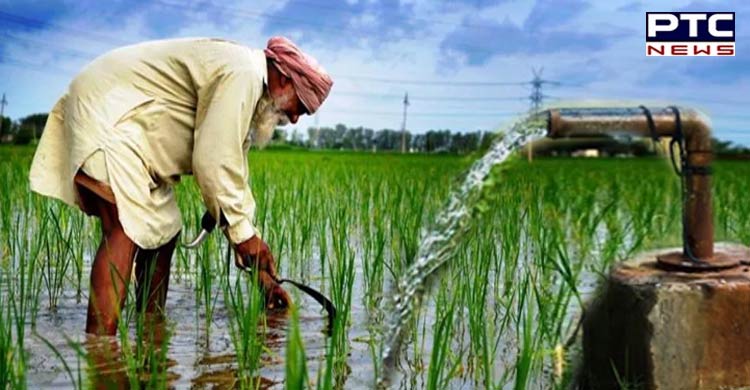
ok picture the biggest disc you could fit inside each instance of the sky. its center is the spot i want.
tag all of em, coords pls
(466, 64)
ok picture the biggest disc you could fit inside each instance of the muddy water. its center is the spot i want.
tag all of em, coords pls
(195, 358)
(205, 360)
(202, 359)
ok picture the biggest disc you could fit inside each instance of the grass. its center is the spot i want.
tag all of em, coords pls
(246, 306)
(348, 224)
(296, 361)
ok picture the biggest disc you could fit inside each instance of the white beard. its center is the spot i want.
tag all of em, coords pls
(265, 119)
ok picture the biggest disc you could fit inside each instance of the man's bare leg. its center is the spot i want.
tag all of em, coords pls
(110, 272)
(152, 277)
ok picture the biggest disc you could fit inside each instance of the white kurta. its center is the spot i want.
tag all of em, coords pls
(155, 111)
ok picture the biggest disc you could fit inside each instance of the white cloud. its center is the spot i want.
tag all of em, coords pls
(618, 70)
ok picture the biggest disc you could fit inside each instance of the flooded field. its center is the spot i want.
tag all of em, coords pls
(503, 316)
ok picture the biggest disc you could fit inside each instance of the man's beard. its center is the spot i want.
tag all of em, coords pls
(265, 119)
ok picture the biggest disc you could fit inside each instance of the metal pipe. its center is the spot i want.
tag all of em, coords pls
(667, 122)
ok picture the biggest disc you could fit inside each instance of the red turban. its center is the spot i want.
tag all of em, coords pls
(310, 80)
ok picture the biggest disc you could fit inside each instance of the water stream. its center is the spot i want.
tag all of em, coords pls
(437, 245)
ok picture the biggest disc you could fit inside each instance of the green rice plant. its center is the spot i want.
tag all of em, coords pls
(341, 276)
(373, 250)
(8, 350)
(77, 252)
(528, 339)
(296, 361)
(208, 270)
(58, 254)
(441, 368)
(24, 288)
(476, 297)
(246, 325)
(348, 223)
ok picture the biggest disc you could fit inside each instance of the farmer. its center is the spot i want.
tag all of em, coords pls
(135, 120)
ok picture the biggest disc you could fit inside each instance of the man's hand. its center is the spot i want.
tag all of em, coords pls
(254, 254)
(276, 297)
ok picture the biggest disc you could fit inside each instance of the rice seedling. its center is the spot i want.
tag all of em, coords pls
(8, 349)
(208, 272)
(296, 362)
(349, 224)
(246, 306)
(59, 254)
(341, 277)
(441, 367)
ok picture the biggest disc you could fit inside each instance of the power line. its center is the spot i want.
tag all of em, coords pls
(422, 114)
(431, 98)
(432, 82)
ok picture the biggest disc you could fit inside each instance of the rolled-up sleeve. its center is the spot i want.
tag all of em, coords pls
(225, 109)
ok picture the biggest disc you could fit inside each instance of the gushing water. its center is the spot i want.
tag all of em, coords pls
(438, 244)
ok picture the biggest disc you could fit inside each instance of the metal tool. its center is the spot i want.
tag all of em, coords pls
(208, 223)
(316, 295)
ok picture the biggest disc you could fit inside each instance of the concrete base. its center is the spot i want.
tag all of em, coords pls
(656, 329)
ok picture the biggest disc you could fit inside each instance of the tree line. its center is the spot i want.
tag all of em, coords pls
(362, 138)
(22, 131)
(340, 137)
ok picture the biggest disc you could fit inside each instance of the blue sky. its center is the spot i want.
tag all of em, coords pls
(378, 50)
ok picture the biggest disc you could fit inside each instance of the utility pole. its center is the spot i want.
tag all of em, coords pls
(316, 135)
(3, 102)
(403, 124)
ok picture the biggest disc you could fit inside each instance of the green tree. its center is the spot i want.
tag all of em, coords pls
(30, 128)
(6, 125)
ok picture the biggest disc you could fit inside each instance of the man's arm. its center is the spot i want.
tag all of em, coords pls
(219, 161)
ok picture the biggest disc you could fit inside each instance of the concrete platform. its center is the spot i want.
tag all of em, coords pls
(654, 329)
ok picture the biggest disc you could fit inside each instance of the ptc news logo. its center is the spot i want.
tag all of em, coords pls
(690, 34)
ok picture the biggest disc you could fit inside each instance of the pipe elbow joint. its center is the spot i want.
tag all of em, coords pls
(696, 129)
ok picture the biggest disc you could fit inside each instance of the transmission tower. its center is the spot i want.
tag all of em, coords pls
(537, 98)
